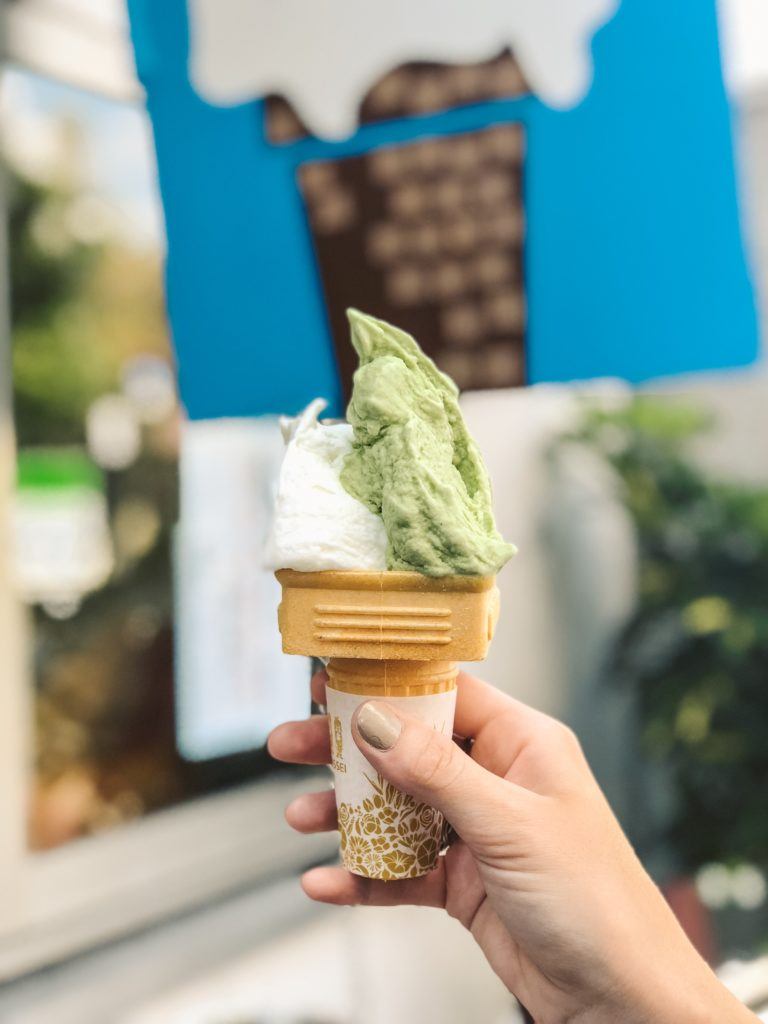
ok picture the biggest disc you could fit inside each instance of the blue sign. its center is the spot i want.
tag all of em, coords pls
(634, 262)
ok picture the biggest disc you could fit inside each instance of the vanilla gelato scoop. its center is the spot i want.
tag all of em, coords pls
(318, 525)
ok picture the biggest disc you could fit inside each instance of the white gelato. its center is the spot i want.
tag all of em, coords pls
(318, 525)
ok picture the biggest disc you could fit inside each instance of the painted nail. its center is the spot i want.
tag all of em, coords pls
(378, 725)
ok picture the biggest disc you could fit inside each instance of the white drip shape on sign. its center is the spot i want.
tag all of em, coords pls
(325, 55)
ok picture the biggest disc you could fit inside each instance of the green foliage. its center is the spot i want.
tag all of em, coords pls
(79, 309)
(696, 649)
(41, 280)
(48, 268)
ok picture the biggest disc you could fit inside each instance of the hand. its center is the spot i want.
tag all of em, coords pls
(542, 876)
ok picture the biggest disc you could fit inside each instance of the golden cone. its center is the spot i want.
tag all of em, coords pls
(387, 615)
(390, 678)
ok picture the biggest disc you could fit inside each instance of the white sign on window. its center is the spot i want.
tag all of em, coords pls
(233, 681)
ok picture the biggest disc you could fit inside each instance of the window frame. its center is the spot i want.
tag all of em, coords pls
(59, 39)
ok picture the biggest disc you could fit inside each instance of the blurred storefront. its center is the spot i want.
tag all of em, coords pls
(144, 862)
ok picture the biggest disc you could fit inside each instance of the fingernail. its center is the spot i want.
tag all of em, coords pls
(378, 725)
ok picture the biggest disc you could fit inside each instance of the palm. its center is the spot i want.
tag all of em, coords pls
(479, 896)
(466, 899)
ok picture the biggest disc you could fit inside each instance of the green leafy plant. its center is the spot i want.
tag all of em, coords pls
(696, 649)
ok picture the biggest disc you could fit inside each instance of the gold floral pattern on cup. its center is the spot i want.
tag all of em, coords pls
(389, 835)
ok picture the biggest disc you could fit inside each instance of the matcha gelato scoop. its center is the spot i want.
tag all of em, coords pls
(413, 461)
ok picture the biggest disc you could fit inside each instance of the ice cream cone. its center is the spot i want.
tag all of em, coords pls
(394, 616)
(397, 636)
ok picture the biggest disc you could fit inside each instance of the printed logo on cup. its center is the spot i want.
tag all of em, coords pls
(337, 745)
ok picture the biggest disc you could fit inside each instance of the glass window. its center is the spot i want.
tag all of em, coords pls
(99, 543)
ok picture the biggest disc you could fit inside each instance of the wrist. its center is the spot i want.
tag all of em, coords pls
(668, 996)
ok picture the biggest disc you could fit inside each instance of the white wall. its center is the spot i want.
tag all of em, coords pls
(369, 965)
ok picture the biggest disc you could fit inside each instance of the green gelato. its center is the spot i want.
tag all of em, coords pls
(413, 461)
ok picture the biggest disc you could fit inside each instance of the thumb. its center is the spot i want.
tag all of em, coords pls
(431, 767)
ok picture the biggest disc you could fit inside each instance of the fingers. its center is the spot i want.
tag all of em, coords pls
(477, 703)
(335, 885)
(432, 768)
(313, 812)
(512, 739)
(305, 742)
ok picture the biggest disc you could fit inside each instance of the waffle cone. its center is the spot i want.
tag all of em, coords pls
(391, 616)
(385, 679)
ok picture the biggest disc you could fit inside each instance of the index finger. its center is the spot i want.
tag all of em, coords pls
(514, 740)
(478, 703)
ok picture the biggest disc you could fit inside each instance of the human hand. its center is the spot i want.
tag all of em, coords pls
(542, 875)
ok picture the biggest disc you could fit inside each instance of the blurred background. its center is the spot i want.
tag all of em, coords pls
(145, 872)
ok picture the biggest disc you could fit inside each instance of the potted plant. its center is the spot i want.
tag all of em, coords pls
(695, 650)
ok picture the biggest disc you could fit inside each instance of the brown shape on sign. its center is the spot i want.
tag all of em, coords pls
(429, 236)
(414, 89)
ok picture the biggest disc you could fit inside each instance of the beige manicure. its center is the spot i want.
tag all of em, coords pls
(378, 725)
